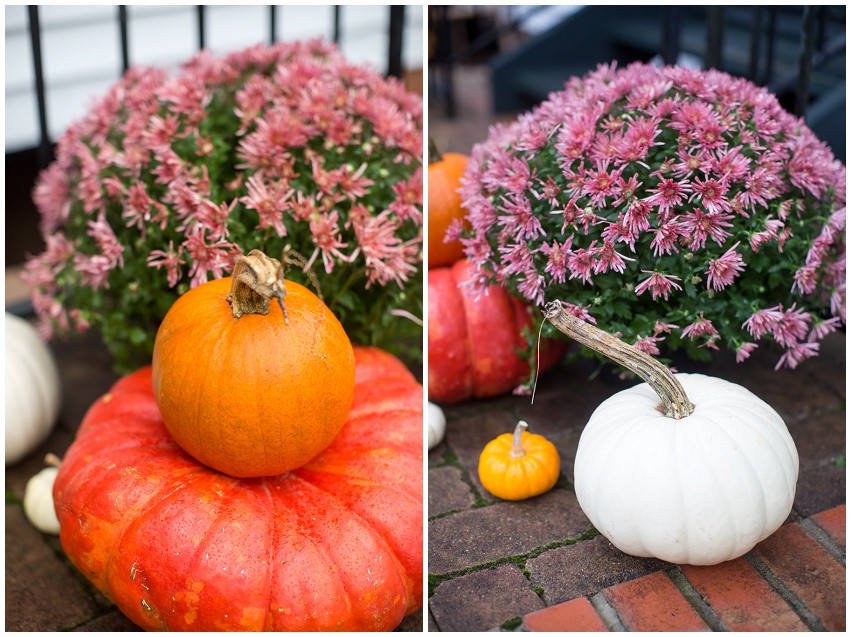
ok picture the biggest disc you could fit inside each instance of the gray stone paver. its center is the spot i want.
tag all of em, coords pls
(820, 489)
(112, 621)
(483, 600)
(811, 399)
(42, 592)
(483, 535)
(584, 568)
(448, 491)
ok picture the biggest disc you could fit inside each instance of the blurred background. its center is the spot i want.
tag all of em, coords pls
(489, 63)
(60, 58)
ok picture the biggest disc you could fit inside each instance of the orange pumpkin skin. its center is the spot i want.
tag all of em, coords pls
(253, 396)
(444, 205)
(334, 545)
(473, 342)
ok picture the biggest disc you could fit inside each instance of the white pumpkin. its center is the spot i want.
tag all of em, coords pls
(38, 501)
(699, 490)
(32, 389)
(699, 477)
(436, 425)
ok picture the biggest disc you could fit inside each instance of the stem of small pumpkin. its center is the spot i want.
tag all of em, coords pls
(517, 450)
(674, 399)
(257, 279)
(52, 460)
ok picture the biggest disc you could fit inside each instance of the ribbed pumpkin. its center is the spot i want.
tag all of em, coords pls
(444, 205)
(473, 342)
(246, 393)
(334, 545)
(686, 468)
(520, 465)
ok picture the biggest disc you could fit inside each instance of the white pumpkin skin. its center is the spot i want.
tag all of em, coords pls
(32, 389)
(436, 425)
(38, 501)
(700, 490)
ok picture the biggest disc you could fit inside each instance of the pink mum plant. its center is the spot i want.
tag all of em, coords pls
(168, 178)
(667, 205)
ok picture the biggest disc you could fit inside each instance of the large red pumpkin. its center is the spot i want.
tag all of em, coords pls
(333, 545)
(473, 342)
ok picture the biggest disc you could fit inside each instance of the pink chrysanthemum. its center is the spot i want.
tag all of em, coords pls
(287, 148)
(723, 270)
(723, 202)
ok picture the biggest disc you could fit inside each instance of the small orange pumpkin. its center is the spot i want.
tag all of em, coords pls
(250, 393)
(444, 205)
(520, 465)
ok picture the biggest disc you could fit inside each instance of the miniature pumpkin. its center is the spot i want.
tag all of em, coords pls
(248, 391)
(473, 342)
(32, 389)
(436, 425)
(38, 499)
(444, 205)
(698, 478)
(334, 545)
(520, 465)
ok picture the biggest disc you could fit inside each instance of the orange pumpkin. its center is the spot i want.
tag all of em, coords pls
(444, 205)
(260, 394)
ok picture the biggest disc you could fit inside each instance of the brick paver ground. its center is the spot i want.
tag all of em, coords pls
(538, 565)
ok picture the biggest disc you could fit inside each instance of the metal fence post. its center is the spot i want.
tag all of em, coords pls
(44, 151)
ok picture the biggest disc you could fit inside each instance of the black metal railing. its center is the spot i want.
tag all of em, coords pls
(394, 54)
(816, 47)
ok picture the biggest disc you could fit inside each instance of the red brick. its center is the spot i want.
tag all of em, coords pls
(653, 603)
(577, 615)
(741, 598)
(832, 522)
(810, 571)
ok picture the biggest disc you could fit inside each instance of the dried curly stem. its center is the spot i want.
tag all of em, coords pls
(674, 399)
(517, 450)
(257, 279)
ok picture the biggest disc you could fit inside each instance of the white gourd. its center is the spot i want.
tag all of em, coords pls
(700, 490)
(32, 389)
(38, 501)
(698, 477)
(436, 425)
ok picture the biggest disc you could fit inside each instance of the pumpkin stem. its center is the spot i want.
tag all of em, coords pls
(660, 378)
(517, 450)
(52, 460)
(257, 279)
(434, 155)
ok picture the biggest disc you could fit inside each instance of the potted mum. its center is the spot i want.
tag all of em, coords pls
(676, 208)
(286, 148)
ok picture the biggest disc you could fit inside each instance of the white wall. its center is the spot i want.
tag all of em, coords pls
(81, 48)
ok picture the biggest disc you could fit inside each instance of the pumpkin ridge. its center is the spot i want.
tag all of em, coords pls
(353, 479)
(127, 517)
(399, 569)
(143, 518)
(772, 449)
(80, 477)
(600, 487)
(41, 404)
(776, 434)
(731, 520)
(269, 619)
